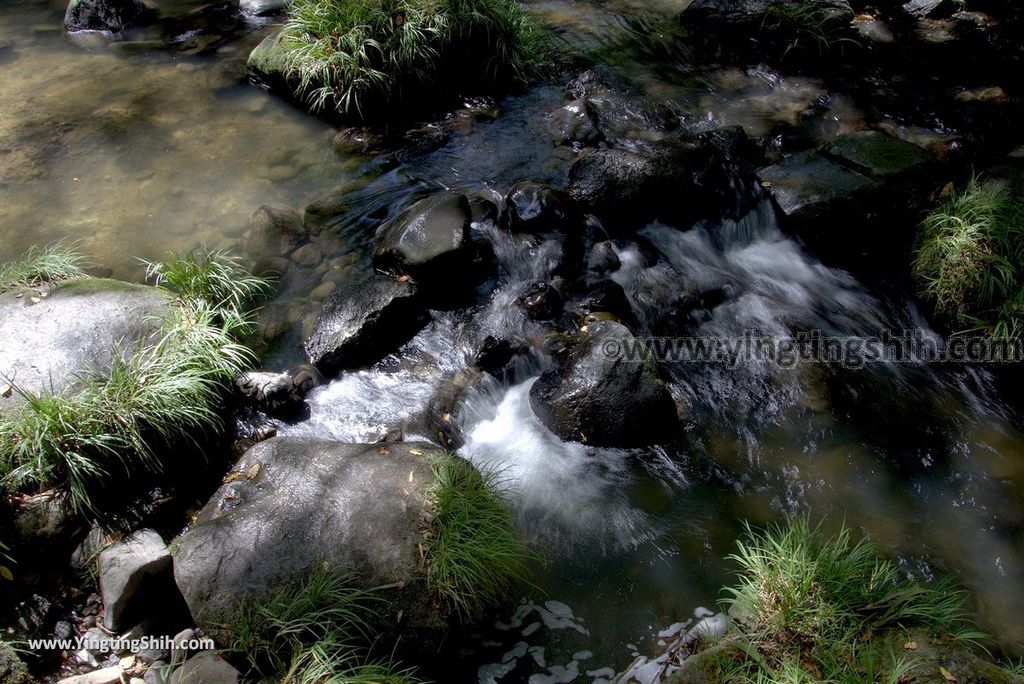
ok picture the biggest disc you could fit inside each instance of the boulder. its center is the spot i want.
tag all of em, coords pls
(64, 333)
(274, 232)
(538, 208)
(124, 569)
(602, 109)
(107, 675)
(607, 296)
(205, 668)
(429, 240)
(596, 393)
(277, 394)
(496, 357)
(44, 518)
(107, 16)
(680, 178)
(298, 502)
(808, 183)
(541, 301)
(361, 323)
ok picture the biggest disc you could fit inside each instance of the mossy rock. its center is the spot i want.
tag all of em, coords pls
(12, 670)
(269, 60)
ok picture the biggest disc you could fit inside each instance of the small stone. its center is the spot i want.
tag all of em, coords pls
(322, 291)
(108, 675)
(308, 256)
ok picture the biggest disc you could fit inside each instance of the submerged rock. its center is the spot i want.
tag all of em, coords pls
(54, 336)
(597, 394)
(429, 240)
(108, 16)
(361, 323)
(541, 301)
(300, 502)
(274, 232)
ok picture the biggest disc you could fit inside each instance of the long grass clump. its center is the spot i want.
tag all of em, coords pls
(810, 607)
(314, 631)
(969, 260)
(824, 23)
(354, 56)
(473, 555)
(161, 394)
(53, 263)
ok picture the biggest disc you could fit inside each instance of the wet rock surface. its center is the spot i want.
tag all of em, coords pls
(596, 395)
(363, 322)
(429, 240)
(109, 16)
(297, 502)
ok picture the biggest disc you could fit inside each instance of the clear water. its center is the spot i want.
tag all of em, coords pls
(137, 153)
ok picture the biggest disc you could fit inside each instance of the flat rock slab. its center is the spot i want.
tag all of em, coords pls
(295, 502)
(876, 154)
(51, 342)
(852, 167)
(808, 180)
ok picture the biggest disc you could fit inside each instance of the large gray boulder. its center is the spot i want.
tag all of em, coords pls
(429, 240)
(205, 668)
(107, 16)
(361, 323)
(296, 502)
(600, 395)
(124, 568)
(51, 342)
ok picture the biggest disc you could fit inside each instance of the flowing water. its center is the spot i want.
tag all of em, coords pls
(134, 152)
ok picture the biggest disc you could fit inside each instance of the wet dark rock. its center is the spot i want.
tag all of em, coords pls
(441, 420)
(921, 8)
(603, 258)
(541, 301)
(109, 16)
(607, 296)
(596, 395)
(361, 323)
(125, 570)
(573, 123)
(307, 256)
(496, 356)
(810, 182)
(274, 232)
(678, 178)
(277, 394)
(300, 502)
(355, 140)
(538, 208)
(611, 110)
(429, 240)
(70, 331)
(876, 154)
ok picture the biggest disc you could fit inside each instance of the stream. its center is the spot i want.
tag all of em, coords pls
(135, 152)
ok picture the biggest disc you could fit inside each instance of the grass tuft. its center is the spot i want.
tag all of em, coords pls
(353, 55)
(825, 23)
(969, 261)
(474, 557)
(159, 395)
(54, 263)
(312, 632)
(809, 607)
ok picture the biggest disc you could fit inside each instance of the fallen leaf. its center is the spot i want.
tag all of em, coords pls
(34, 300)
(946, 674)
(127, 663)
(232, 476)
(410, 475)
(415, 452)
(910, 645)
(398, 618)
(383, 451)
(5, 572)
(6, 391)
(253, 471)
